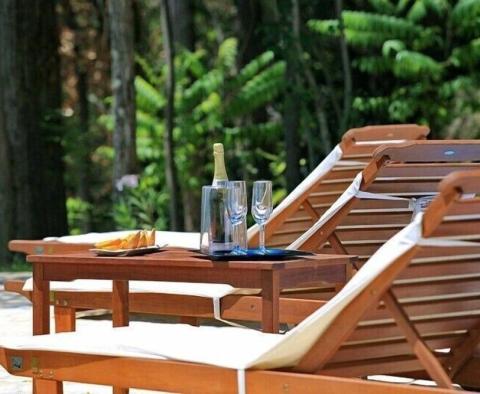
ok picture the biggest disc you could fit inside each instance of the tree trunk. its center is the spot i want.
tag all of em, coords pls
(249, 16)
(83, 160)
(84, 121)
(123, 88)
(292, 106)
(33, 192)
(183, 32)
(347, 75)
(169, 151)
(7, 197)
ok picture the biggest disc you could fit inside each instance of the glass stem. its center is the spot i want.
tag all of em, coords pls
(262, 237)
(236, 234)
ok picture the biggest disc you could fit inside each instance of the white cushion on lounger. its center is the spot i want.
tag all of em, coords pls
(222, 346)
(172, 238)
(323, 168)
(209, 290)
(344, 198)
(226, 346)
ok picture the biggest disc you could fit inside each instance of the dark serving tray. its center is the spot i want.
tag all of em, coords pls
(257, 254)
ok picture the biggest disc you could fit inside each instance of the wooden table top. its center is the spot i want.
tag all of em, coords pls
(188, 258)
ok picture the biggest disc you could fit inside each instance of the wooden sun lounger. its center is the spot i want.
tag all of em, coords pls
(410, 171)
(396, 214)
(357, 147)
(375, 325)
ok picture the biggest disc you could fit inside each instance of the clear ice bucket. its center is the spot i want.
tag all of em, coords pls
(215, 228)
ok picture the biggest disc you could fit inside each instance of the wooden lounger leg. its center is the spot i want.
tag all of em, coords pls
(64, 319)
(119, 390)
(421, 350)
(42, 386)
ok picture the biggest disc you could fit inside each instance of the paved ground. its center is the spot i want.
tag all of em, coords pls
(15, 319)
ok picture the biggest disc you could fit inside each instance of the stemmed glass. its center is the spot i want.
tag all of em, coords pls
(237, 211)
(262, 208)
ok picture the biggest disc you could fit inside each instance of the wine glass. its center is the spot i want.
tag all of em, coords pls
(237, 211)
(262, 208)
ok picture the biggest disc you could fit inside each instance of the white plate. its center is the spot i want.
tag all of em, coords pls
(128, 252)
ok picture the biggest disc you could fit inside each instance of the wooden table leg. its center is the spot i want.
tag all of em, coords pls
(41, 325)
(47, 387)
(65, 319)
(120, 303)
(270, 301)
(40, 301)
(120, 316)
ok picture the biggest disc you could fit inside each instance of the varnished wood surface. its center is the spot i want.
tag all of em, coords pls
(45, 247)
(172, 257)
(175, 376)
(182, 266)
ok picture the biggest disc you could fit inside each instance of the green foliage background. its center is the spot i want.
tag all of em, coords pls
(410, 61)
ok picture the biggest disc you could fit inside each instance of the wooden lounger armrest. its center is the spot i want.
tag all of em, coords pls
(430, 151)
(385, 132)
(16, 286)
(451, 189)
(46, 247)
(462, 182)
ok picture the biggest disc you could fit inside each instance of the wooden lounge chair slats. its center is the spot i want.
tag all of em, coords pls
(379, 330)
(332, 185)
(449, 286)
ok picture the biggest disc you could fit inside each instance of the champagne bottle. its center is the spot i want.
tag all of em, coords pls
(221, 225)
(220, 173)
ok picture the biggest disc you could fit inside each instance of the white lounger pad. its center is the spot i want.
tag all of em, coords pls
(228, 347)
(223, 346)
(209, 290)
(171, 238)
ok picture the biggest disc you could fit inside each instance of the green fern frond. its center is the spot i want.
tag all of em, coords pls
(148, 121)
(410, 64)
(466, 10)
(383, 6)
(402, 109)
(392, 47)
(227, 53)
(402, 6)
(371, 104)
(148, 70)
(421, 8)
(466, 56)
(258, 91)
(460, 84)
(418, 11)
(373, 64)
(201, 88)
(330, 27)
(386, 25)
(429, 37)
(252, 69)
(212, 103)
(106, 121)
(191, 61)
(149, 99)
(466, 17)
(362, 39)
(440, 7)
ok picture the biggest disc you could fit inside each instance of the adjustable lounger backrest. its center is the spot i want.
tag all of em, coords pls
(409, 172)
(435, 294)
(315, 194)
